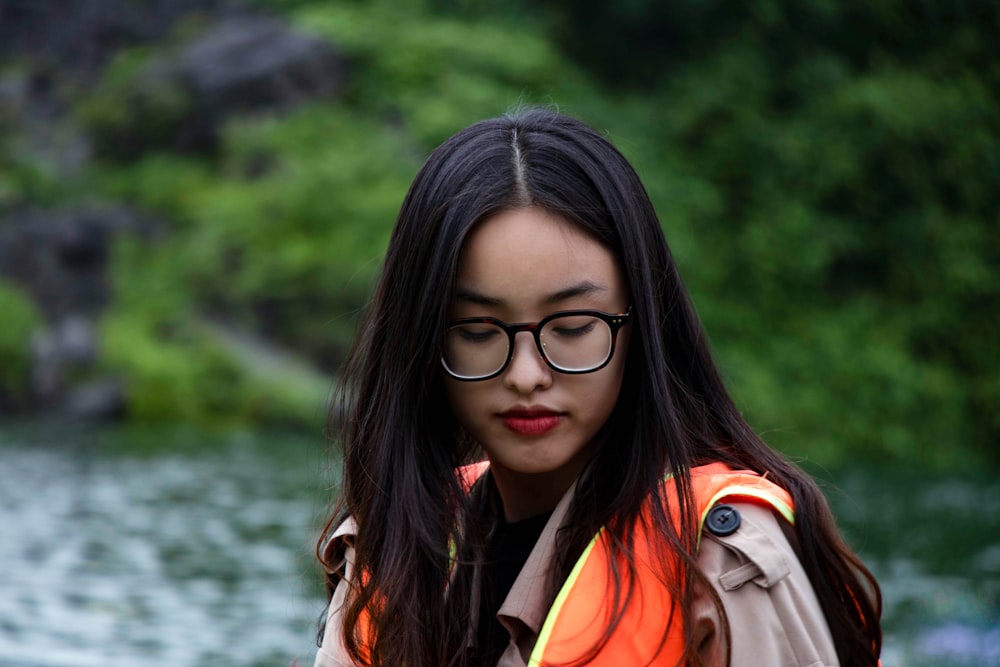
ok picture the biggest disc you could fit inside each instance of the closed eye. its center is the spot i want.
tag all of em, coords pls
(574, 332)
(484, 335)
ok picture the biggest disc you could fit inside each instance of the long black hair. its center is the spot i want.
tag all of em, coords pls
(402, 445)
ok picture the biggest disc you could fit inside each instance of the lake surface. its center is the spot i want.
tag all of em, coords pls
(181, 549)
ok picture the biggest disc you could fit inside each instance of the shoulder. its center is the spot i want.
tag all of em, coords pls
(338, 543)
(772, 610)
(752, 539)
(338, 556)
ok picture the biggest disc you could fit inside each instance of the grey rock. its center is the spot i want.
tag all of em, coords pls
(97, 400)
(47, 371)
(55, 352)
(82, 35)
(37, 129)
(60, 255)
(256, 62)
(239, 64)
(77, 341)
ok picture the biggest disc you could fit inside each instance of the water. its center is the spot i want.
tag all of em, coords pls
(178, 549)
(172, 558)
(933, 542)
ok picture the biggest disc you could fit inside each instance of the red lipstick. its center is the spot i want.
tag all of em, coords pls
(531, 420)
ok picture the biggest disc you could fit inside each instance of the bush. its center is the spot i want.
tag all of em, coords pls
(20, 319)
(137, 106)
(826, 175)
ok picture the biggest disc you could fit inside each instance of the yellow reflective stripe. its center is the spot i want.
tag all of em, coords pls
(550, 619)
(753, 492)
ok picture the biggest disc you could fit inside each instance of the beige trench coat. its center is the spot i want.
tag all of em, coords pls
(775, 619)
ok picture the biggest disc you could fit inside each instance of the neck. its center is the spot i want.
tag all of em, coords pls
(526, 495)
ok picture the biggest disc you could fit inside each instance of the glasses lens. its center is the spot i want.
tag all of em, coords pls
(474, 350)
(576, 342)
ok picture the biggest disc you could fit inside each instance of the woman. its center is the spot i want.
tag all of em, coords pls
(529, 315)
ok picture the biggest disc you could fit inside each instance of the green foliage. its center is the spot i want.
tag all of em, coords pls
(437, 74)
(178, 368)
(187, 375)
(827, 175)
(162, 183)
(292, 217)
(839, 245)
(30, 148)
(304, 239)
(25, 181)
(137, 105)
(148, 337)
(174, 374)
(20, 320)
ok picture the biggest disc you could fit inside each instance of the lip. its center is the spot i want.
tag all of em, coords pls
(531, 420)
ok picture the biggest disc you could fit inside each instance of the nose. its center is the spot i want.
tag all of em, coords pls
(527, 370)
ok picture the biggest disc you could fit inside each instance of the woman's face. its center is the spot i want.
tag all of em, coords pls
(535, 424)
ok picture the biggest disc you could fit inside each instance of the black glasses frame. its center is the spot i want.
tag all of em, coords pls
(614, 321)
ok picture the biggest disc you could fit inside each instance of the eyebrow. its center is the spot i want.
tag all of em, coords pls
(579, 289)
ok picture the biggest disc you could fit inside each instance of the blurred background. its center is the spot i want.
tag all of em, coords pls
(195, 196)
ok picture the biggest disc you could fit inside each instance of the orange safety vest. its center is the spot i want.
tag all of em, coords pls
(584, 607)
(582, 610)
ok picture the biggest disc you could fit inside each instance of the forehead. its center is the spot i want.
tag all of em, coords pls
(528, 251)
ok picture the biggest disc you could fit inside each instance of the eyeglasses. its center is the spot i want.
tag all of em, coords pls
(570, 341)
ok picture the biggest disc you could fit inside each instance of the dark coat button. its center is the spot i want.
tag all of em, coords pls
(723, 520)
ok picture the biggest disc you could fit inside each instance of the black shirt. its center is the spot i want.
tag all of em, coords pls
(506, 555)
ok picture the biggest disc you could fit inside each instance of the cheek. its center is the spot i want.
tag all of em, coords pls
(599, 394)
(607, 394)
